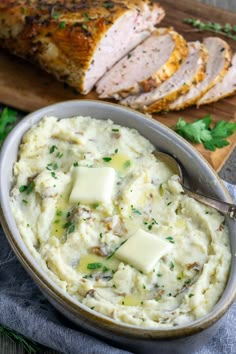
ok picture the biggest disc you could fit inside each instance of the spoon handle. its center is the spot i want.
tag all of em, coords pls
(224, 208)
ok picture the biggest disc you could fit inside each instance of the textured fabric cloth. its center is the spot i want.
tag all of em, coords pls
(24, 309)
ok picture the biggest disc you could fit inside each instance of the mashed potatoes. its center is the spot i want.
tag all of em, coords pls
(111, 226)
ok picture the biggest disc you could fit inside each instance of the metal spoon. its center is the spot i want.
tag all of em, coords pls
(224, 208)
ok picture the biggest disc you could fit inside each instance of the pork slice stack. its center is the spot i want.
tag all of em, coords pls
(226, 87)
(146, 67)
(190, 73)
(217, 66)
(75, 40)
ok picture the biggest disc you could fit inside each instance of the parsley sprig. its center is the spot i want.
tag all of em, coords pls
(7, 121)
(201, 132)
(227, 29)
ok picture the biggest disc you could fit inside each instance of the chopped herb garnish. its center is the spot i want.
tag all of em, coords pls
(59, 213)
(144, 286)
(135, 211)
(159, 274)
(100, 235)
(141, 303)
(59, 155)
(149, 227)
(127, 164)
(28, 225)
(172, 265)
(105, 269)
(116, 151)
(71, 229)
(48, 167)
(52, 149)
(56, 15)
(68, 214)
(22, 188)
(53, 174)
(24, 201)
(75, 164)
(7, 121)
(95, 205)
(94, 265)
(107, 159)
(86, 16)
(28, 189)
(154, 222)
(170, 238)
(191, 295)
(112, 254)
(108, 4)
(129, 55)
(55, 166)
(115, 130)
(169, 203)
(188, 281)
(62, 25)
(67, 224)
(84, 26)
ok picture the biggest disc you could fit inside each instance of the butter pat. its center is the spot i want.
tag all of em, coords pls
(143, 250)
(93, 185)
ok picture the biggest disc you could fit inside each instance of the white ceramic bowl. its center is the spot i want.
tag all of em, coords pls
(180, 339)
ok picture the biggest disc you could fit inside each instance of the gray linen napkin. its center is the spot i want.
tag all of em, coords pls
(24, 309)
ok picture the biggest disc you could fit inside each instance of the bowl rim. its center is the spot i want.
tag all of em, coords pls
(73, 305)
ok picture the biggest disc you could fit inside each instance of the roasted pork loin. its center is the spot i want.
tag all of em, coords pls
(77, 41)
(217, 66)
(146, 67)
(191, 72)
(224, 88)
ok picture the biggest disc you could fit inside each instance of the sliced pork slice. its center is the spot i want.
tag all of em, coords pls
(217, 66)
(191, 71)
(146, 67)
(224, 88)
(77, 41)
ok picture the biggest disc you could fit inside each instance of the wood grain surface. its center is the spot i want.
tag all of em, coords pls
(196, 10)
(28, 88)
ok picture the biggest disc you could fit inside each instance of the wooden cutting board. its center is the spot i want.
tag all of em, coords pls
(26, 87)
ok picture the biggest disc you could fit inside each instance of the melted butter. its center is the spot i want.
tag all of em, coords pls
(181, 224)
(111, 264)
(131, 300)
(120, 162)
(62, 207)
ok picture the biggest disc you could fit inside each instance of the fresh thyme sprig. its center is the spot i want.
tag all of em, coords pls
(226, 30)
(29, 346)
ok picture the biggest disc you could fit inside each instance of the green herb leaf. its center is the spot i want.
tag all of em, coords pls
(127, 164)
(107, 159)
(135, 211)
(22, 188)
(225, 30)
(62, 25)
(30, 187)
(200, 132)
(7, 120)
(52, 149)
(94, 265)
(170, 238)
(108, 4)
